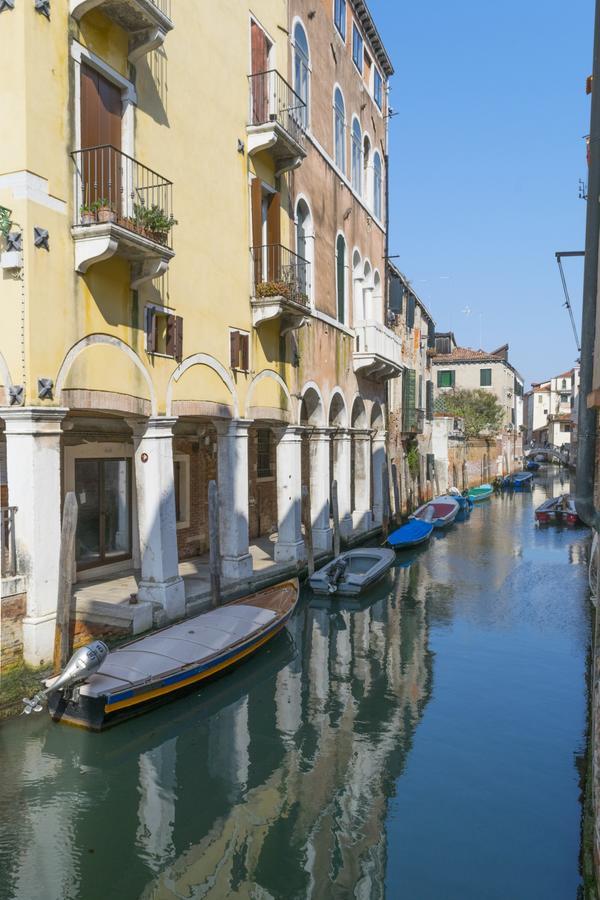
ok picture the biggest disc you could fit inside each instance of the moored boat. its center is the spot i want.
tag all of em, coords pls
(483, 492)
(440, 511)
(352, 571)
(464, 501)
(155, 668)
(413, 533)
(559, 509)
(532, 465)
(518, 480)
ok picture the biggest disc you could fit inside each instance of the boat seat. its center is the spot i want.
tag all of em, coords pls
(103, 684)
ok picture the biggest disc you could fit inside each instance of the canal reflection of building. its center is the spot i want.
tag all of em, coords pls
(278, 777)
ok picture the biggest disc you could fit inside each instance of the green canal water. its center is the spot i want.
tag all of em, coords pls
(422, 743)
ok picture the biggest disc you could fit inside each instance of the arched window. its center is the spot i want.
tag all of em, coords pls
(377, 185)
(564, 383)
(340, 276)
(366, 163)
(356, 155)
(357, 291)
(301, 64)
(304, 246)
(339, 130)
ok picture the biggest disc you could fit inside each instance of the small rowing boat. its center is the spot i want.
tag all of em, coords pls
(440, 511)
(353, 571)
(559, 509)
(99, 688)
(464, 501)
(532, 465)
(518, 480)
(483, 492)
(413, 533)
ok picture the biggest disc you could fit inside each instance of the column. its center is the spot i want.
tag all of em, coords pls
(232, 448)
(153, 454)
(342, 472)
(319, 443)
(379, 460)
(33, 469)
(362, 479)
(290, 544)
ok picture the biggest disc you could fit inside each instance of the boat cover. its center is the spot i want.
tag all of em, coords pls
(413, 532)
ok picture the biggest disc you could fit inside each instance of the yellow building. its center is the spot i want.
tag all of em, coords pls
(150, 298)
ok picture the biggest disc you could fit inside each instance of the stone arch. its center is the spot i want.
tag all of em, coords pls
(312, 408)
(111, 341)
(268, 373)
(6, 379)
(203, 359)
(359, 413)
(338, 411)
(377, 421)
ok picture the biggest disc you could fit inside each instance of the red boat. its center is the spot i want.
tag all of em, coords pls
(557, 509)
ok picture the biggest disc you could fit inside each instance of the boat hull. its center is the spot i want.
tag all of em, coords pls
(442, 511)
(353, 582)
(479, 494)
(97, 713)
(412, 534)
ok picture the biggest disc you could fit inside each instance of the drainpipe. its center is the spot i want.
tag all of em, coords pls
(586, 452)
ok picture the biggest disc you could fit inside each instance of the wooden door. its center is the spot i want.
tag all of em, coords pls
(259, 62)
(274, 264)
(101, 120)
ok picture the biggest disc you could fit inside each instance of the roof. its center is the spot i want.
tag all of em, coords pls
(468, 355)
(398, 274)
(366, 20)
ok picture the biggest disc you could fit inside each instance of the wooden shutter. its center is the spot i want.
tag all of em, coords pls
(171, 339)
(101, 114)
(244, 352)
(429, 400)
(150, 330)
(178, 338)
(260, 81)
(396, 290)
(234, 349)
(256, 210)
(274, 238)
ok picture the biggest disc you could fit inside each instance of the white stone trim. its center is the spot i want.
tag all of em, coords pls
(329, 320)
(184, 459)
(203, 359)
(267, 373)
(337, 391)
(25, 185)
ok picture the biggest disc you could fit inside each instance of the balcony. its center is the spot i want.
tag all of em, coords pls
(121, 208)
(413, 420)
(147, 22)
(281, 287)
(277, 120)
(378, 351)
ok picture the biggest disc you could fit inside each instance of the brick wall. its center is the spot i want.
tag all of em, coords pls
(12, 611)
(262, 492)
(201, 452)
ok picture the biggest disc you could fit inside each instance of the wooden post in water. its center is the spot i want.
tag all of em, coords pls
(436, 477)
(63, 637)
(307, 522)
(385, 495)
(397, 495)
(335, 514)
(214, 544)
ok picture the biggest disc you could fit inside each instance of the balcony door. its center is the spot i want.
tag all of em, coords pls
(266, 232)
(103, 491)
(260, 48)
(101, 127)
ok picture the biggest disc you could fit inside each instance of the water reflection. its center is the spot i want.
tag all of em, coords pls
(272, 782)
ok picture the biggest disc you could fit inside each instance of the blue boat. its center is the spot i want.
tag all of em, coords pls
(532, 465)
(518, 480)
(415, 532)
(464, 501)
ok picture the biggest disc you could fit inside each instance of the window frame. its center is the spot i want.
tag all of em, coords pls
(183, 461)
(260, 475)
(342, 280)
(304, 58)
(377, 186)
(443, 372)
(356, 145)
(336, 110)
(483, 383)
(378, 88)
(240, 367)
(358, 44)
(340, 15)
(174, 322)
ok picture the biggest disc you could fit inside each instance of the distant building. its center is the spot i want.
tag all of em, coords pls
(551, 410)
(463, 368)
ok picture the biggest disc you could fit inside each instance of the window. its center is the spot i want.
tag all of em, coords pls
(181, 484)
(564, 383)
(164, 333)
(540, 399)
(565, 427)
(429, 400)
(339, 130)
(301, 69)
(518, 388)
(356, 155)
(410, 311)
(378, 88)
(239, 346)
(396, 291)
(443, 345)
(303, 246)
(445, 379)
(377, 184)
(564, 398)
(339, 17)
(340, 276)
(366, 160)
(485, 377)
(263, 453)
(357, 48)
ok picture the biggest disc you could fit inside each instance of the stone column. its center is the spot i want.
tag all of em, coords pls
(362, 479)
(320, 444)
(290, 544)
(342, 472)
(232, 444)
(379, 460)
(34, 487)
(153, 462)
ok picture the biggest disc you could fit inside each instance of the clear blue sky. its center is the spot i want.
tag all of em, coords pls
(486, 152)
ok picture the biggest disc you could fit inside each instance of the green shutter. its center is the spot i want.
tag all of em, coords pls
(408, 400)
(341, 277)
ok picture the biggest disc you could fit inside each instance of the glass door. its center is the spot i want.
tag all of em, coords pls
(103, 491)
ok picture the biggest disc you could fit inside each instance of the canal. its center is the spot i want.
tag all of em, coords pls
(421, 743)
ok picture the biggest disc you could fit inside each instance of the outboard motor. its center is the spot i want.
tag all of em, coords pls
(82, 664)
(335, 574)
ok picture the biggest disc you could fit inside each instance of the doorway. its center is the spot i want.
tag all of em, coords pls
(103, 491)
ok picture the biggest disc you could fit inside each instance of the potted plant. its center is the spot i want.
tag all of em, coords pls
(274, 289)
(153, 222)
(87, 212)
(105, 212)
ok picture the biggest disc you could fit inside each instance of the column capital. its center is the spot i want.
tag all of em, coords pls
(361, 434)
(320, 432)
(232, 426)
(288, 433)
(153, 427)
(342, 434)
(380, 436)
(33, 419)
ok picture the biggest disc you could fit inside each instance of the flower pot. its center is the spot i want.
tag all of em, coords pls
(106, 214)
(88, 218)
(159, 237)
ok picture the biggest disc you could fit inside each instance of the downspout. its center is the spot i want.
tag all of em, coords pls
(586, 451)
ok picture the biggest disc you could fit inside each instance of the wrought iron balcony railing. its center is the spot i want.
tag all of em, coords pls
(272, 99)
(8, 547)
(413, 420)
(278, 272)
(113, 187)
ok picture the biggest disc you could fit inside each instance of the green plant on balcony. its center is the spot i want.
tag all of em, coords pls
(285, 289)
(153, 221)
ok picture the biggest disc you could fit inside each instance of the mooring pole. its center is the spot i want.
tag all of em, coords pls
(214, 544)
(385, 497)
(335, 514)
(307, 522)
(63, 643)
